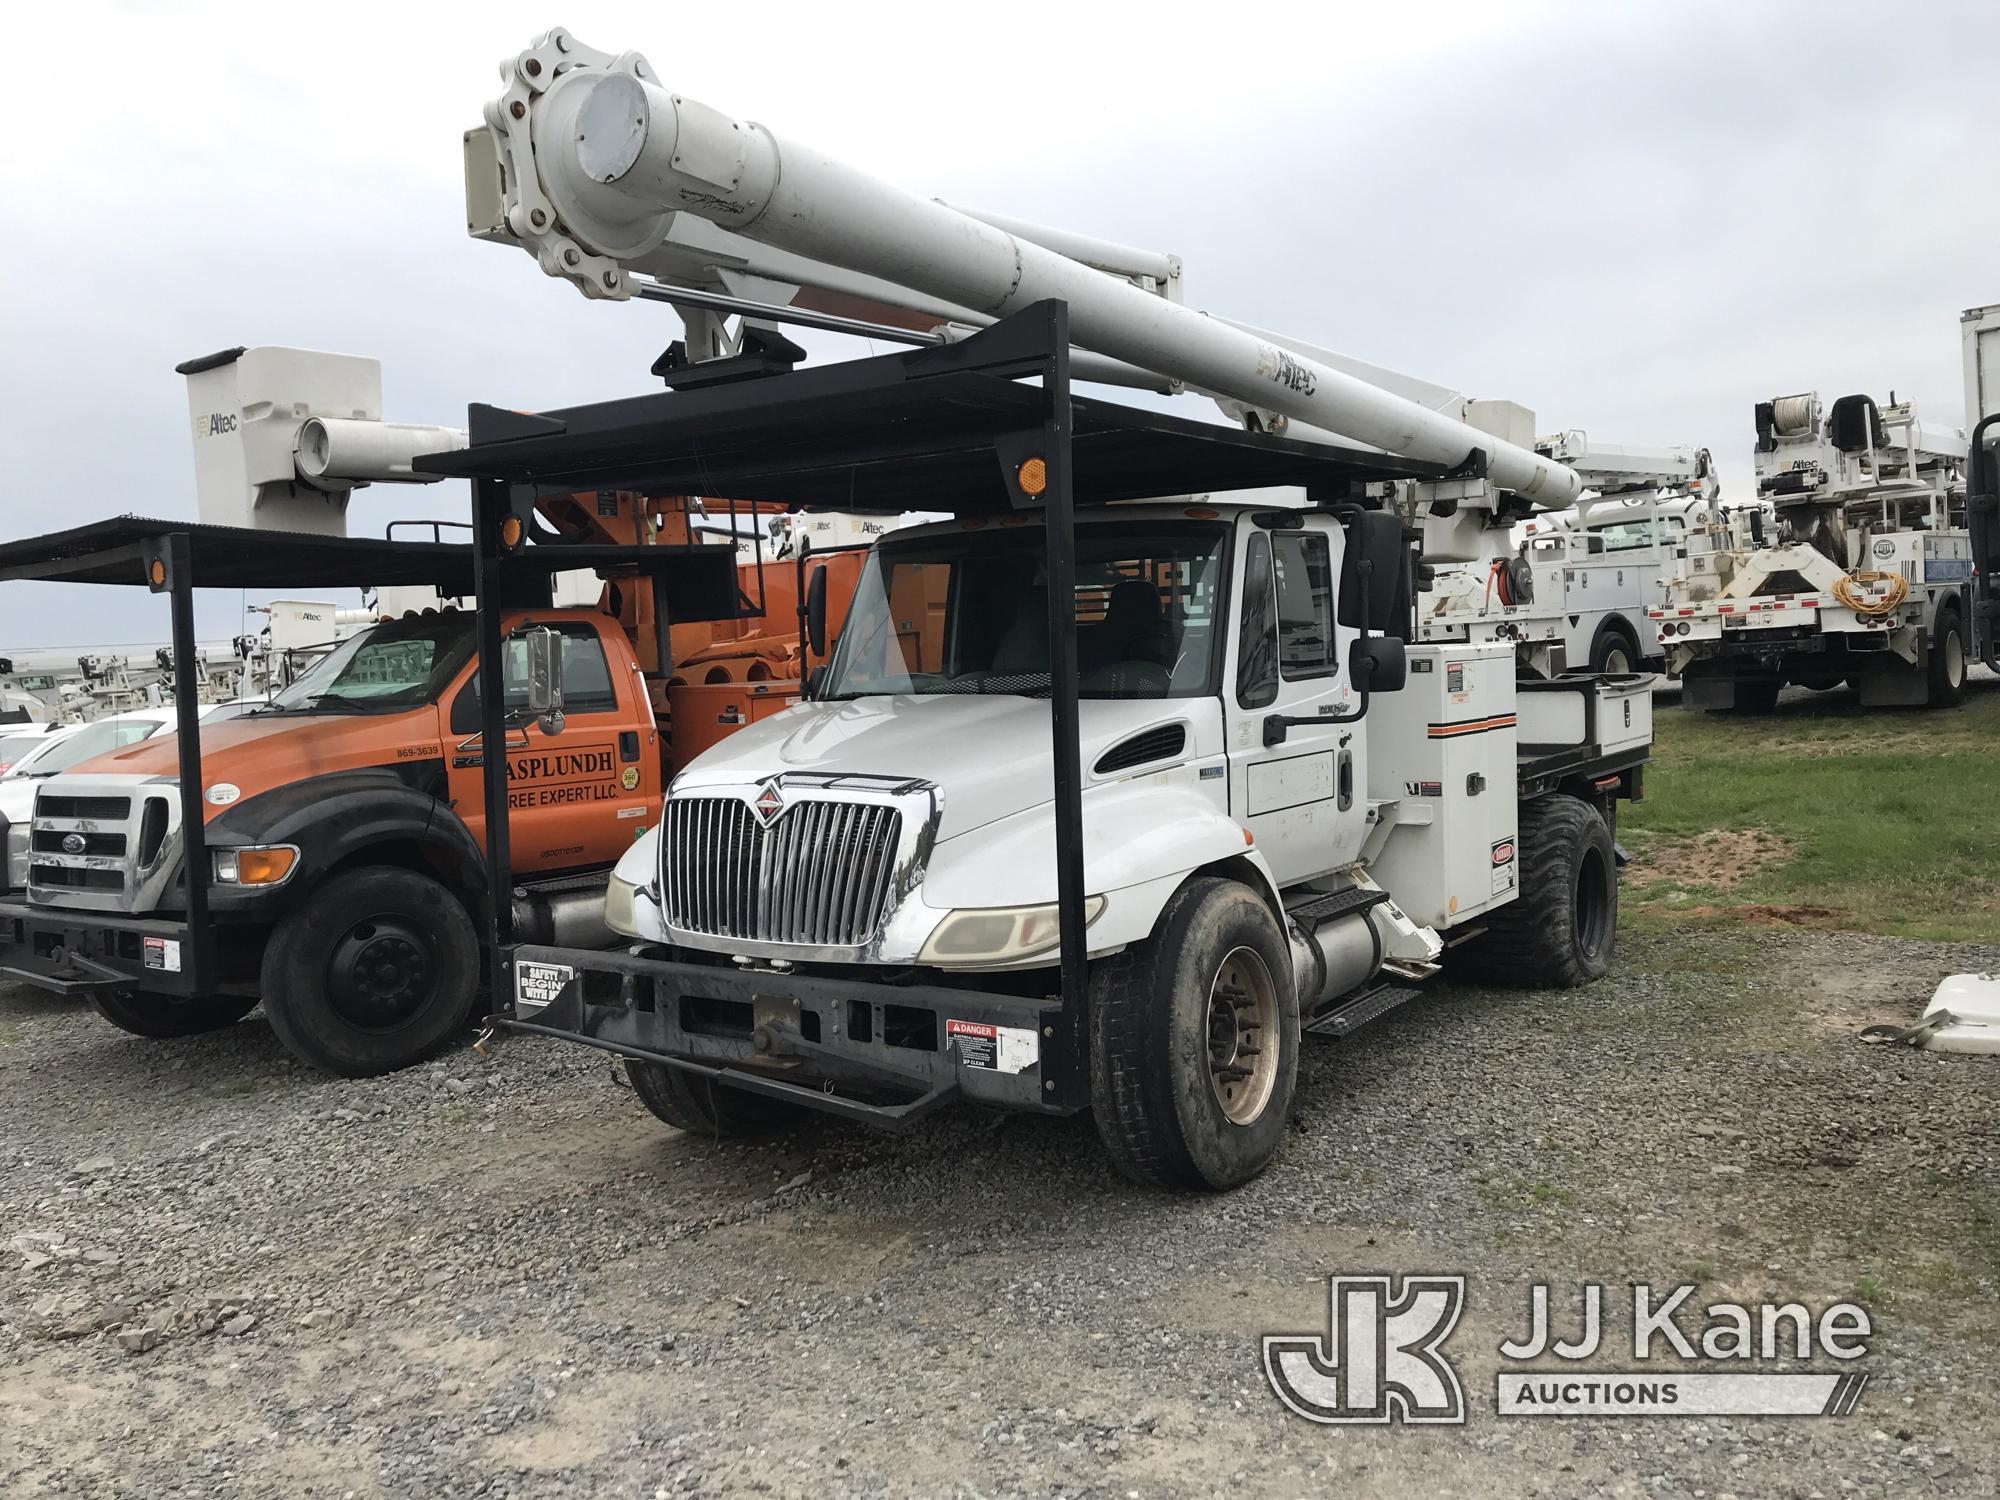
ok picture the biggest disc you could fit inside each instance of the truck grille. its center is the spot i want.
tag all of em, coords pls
(819, 875)
(102, 843)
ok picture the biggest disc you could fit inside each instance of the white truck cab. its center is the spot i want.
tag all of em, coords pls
(1243, 730)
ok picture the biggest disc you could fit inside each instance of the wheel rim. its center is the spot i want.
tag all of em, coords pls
(1954, 659)
(1242, 1035)
(381, 973)
(1592, 904)
(1616, 659)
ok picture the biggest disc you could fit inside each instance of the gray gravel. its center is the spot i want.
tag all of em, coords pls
(221, 1275)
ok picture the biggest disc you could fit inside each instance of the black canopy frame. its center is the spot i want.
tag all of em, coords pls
(985, 426)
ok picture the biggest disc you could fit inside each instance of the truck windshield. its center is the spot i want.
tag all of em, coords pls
(397, 664)
(968, 612)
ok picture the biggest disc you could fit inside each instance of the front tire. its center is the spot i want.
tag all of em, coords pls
(1560, 929)
(700, 1106)
(374, 970)
(162, 1016)
(1194, 1042)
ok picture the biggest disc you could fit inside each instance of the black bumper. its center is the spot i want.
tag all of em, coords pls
(79, 953)
(886, 1054)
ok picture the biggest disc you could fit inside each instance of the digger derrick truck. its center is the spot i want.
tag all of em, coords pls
(1263, 807)
(1864, 574)
(336, 834)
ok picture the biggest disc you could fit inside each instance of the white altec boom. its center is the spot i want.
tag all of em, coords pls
(1272, 815)
(1867, 570)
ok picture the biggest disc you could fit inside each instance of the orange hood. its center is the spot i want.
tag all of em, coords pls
(257, 753)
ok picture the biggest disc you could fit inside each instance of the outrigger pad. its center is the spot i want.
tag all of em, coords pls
(1963, 1016)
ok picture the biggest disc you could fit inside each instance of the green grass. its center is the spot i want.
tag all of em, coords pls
(1889, 817)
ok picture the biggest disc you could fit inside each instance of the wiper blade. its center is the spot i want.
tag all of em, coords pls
(342, 700)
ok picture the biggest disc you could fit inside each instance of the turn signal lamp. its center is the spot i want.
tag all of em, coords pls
(256, 864)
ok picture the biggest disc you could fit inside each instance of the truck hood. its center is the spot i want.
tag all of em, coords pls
(991, 754)
(17, 798)
(256, 753)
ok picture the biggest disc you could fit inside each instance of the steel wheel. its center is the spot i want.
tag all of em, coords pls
(381, 973)
(1242, 1035)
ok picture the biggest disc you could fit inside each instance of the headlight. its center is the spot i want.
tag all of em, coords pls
(256, 864)
(17, 855)
(995, 934)
(618, 913)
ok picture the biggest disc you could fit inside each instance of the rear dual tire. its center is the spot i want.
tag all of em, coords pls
(1756, 696)
(1615, 652)
(1945, 671)
(1560, 930)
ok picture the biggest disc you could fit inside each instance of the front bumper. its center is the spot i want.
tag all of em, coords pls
(886, 1054)
(79, 953)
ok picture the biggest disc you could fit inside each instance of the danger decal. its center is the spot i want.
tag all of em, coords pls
(1001, 1049)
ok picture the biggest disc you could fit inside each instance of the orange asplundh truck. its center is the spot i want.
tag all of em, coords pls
(343, 822)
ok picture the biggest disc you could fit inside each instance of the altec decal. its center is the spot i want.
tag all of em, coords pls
(215, 424)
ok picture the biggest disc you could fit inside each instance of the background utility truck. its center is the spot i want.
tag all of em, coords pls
(1871, 572)
(344, 822)
(1258, 797)
(1569, 589)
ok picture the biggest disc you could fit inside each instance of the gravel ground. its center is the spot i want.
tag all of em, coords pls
(225, 1276)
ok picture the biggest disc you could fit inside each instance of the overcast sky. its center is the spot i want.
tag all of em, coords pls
(1638, 221)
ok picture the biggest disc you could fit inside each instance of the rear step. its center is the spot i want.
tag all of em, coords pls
(1355, 1012)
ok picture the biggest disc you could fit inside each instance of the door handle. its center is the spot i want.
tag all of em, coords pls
(1276, 726)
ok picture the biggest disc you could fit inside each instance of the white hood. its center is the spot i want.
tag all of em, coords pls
(990, 754)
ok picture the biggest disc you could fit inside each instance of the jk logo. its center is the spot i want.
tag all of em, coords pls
(1379, 1359)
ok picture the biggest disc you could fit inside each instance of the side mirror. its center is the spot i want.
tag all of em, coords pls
(816, 612)
(545, 677)
(1378, 663)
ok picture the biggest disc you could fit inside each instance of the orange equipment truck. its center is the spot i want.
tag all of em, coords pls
(326, 854)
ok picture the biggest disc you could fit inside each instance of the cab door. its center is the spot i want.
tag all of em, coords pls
(1302, 794)
(578, 794)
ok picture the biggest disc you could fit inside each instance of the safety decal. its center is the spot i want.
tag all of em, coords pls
(1003, 1049)
(539, 985)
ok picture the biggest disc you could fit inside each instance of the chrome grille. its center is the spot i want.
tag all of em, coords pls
(96, 874)
(127, 843)
(820, 875)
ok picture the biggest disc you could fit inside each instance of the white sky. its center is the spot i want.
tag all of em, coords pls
(1639, 220)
